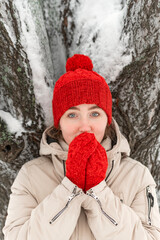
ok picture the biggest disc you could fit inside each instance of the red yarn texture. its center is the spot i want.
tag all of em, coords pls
(79, 61)
(87, 163)
(96, 167)
(80, 85)
(79, 151)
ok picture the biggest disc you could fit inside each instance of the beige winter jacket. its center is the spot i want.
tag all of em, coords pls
(45, 205)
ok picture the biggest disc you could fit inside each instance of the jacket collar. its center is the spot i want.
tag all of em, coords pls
(59, 150)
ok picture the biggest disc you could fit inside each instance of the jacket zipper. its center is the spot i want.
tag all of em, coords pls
(92, 194)
(150, 199)
(70, 198)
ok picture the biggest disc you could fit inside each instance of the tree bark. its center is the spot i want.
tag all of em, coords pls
(137, 89)
(18, 98)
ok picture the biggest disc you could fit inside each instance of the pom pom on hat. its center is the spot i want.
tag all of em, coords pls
(80, 85)
(79, 61)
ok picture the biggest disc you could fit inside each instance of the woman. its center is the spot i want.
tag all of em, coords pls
(84, 185)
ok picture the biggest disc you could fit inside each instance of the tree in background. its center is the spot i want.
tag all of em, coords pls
(36, 38)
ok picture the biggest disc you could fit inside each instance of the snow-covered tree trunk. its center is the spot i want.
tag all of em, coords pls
(137, 88)
(36, 37)
(26, 82)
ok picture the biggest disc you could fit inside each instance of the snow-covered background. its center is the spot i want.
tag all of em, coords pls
(97, 33)
(121, 37)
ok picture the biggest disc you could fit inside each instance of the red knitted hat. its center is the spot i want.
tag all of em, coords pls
(79, 85)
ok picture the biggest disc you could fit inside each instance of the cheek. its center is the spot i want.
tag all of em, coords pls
(66, 137)
(68, 132)
(99, 132)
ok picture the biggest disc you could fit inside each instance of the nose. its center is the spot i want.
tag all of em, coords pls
(85, 125)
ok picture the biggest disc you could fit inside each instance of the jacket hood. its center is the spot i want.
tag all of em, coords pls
(121, 146)
(59, 150)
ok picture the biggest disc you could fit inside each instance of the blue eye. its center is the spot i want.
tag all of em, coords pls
(95, 114)
(71, 115)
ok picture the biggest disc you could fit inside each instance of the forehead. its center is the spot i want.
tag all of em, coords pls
(85, 106)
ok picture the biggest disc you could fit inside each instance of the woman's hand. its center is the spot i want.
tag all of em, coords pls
(80, 149)
(96, 167)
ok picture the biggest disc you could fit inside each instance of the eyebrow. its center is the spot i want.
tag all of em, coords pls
(91, 108)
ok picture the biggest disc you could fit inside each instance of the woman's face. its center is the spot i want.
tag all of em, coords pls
(83, 118)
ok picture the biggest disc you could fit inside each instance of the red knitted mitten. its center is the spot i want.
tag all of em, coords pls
(80, 149)
(96, 167)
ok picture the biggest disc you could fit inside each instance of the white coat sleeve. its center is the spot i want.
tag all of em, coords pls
(109, 218)
(29, 220)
